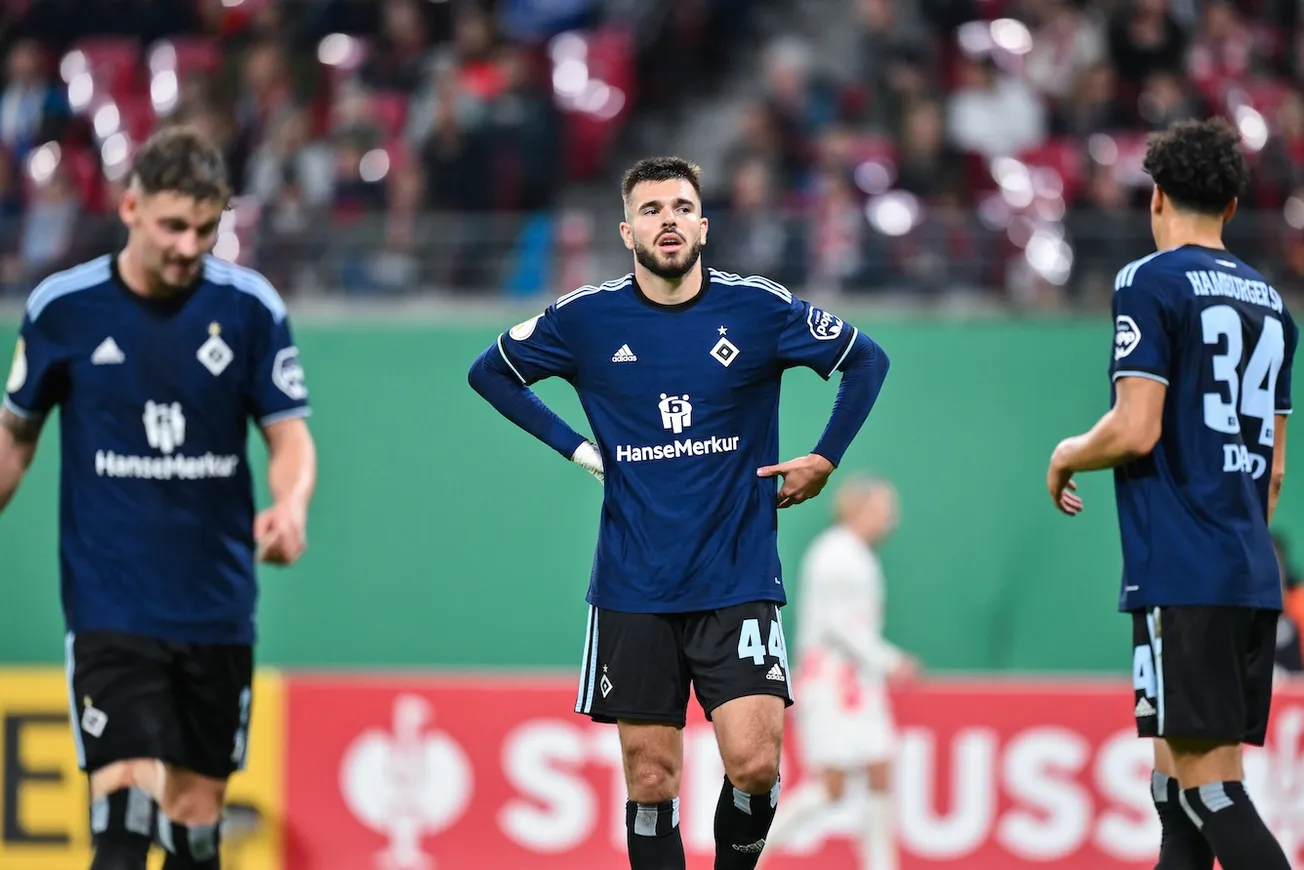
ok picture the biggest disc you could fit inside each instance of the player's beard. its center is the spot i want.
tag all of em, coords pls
(175, 276)
(650, 259)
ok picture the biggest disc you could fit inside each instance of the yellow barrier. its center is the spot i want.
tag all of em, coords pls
(44, 818)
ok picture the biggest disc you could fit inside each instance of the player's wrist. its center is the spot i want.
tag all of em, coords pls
(295, 505)
(826, 458)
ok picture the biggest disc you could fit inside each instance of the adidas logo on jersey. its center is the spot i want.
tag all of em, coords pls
(1143, 709)
(624, 355)
(776, 673)
(108, 353)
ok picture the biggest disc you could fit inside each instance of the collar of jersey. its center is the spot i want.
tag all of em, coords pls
(165, 305)
(675, 306)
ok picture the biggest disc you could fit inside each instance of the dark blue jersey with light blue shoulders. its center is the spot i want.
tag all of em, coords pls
(1193, 513)
(683, 401)
(156, 497)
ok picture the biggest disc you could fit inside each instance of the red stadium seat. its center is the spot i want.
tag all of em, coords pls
(137, 116)
(1064, 157)
(190, 55)
(114, 63)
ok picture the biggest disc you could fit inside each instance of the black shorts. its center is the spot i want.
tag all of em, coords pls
(1203, 672)
(137, 697)
(638, 666)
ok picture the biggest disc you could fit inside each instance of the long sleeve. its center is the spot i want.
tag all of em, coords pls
(492, 378)
(863, 372)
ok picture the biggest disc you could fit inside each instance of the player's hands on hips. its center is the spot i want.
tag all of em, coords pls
(803, 478)
(1059, 481)
(586, 456)
(281, 533)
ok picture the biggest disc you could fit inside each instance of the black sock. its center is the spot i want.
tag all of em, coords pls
(652, 834)
(741, 823)
(190, 847)
(1233, 827)
(1182, 846)
(122, 830)
(120, 850)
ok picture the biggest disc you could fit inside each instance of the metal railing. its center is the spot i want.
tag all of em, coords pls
(890, 251)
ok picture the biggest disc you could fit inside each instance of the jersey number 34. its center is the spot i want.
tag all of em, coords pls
(1253, 391)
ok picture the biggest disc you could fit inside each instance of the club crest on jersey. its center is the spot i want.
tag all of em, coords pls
(724, 352)
(1127, 335)
(215, 354)
(524, 329)
(18, 372)
(823, 325)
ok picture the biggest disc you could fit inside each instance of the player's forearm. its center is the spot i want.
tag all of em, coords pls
(490, 377)
(1278, 476)
(18, 437)
(1110, 443)
(863, 373)
(292, 464)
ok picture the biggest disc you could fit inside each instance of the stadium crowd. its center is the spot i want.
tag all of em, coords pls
(404, 145)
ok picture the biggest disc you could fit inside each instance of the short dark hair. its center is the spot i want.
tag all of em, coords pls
(182, 160)
(1198, 165)
(661, 169)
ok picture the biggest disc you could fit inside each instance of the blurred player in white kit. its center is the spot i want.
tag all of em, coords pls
(844, 720)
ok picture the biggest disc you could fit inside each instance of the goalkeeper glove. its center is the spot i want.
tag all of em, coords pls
(586, 456)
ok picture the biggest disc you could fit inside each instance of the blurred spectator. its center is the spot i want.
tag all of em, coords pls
(1067, 42)
(474, 50)
(927, 164)
(894, 56)
(800, 103)
(752, 234)
(759, 138)
(525, 131)
(1106, 233)
(1166, 99)
(431, 146)
(839, 234)
(1282, 161)
(32, 109)
(441, 98)
(985, 94)
(1092, 106)
(399, 55)
(290, 154)
(1144, 38)
(48, 227)
(1222, 51)
(397, 264)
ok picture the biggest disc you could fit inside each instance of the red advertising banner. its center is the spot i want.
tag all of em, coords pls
(495, 773)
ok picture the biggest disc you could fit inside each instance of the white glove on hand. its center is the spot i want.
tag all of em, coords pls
(586, 456)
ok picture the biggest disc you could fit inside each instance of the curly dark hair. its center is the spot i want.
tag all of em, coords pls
(1198, 165)
(661, 169)
(181, 160)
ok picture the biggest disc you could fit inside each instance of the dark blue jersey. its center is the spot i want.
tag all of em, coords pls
(683, 401)
(156, 498)
(1193, 513)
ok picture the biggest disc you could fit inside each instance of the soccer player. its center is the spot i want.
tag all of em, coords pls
(678, 368)
(157, 358)
(845, 725)
(1203, 350)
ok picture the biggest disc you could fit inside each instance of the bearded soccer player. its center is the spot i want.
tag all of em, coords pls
(157, 359)
(678, 368)
(1202, 358)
